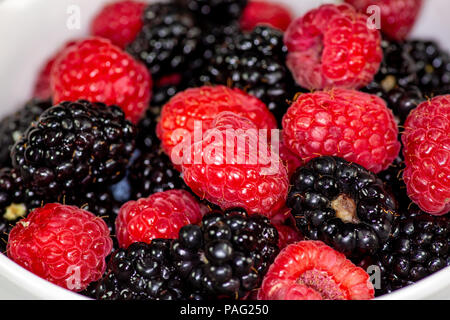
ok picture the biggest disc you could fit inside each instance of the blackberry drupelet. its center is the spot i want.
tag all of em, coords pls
(227, 256)
(168, 40)
(216, 11)
(153, 172)
(141, 272)
(12, 127)
(418, 247)
(254, 62)
(74, 145)
(342, 204)
(432, 67)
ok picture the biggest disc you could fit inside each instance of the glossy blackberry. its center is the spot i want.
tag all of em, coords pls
(342, 204)
(141, 272)
(153, 172)
(74, 146)
(147, 139)
(401, 100)
(398, 67)
(418, 247)
(432, 67)
(227, 256)
(254, 62)
(13, 202)
(216, 11)
(12, 127)
(5, 228)
(393, 180)
(168, 40)
(213, 35)
(415, 63)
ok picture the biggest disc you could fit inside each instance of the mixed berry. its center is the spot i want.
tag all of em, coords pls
(224, 149)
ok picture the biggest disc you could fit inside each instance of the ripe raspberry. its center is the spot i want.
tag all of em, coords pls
(310, 270)
(397, 16)
(42, 88)
(204, 104)
(234, 173)
(349, 124)
(119, 22)
(332, 46)
(265, 13)
(98, 71)
(427, 155)
(62, 244)
(159, 216)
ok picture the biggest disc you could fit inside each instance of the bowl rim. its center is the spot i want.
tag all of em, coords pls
(45, 290)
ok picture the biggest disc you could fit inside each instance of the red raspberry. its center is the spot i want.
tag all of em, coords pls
(311, 270)
(161, 215)
(119, 22)
(265, 13)
(98, 71)
(332, 46)
(426, 142)
(42, 89)
(62, 244)
(349, 124)
(397, 16)
(230, 172)
(204, 104)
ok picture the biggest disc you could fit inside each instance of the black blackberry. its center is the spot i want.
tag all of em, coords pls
(432, 67)
(147, 139)
(13, 202)
(5, 228)
(401, 100)
(227, 256)
(254, 62)
(398, 67)
(75, 145)
(213, 35)
(215, 11)
(415, 63)
(153, 172)
(418, 247)
(168, 40)
(143, 271)
(342, 204)
(12, 127)
(393, 180)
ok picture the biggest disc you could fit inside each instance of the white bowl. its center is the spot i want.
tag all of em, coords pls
(31, 30)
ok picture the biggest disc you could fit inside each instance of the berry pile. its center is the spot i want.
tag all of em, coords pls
(225, 257)
(176, 153)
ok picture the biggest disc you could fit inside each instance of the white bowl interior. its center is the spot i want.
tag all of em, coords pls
(32, 30)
